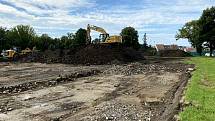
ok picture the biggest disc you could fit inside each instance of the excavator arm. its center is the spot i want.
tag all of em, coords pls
(95, 28)
(98, 29)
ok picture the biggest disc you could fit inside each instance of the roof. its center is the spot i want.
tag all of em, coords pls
(160, 47)
(190, 49)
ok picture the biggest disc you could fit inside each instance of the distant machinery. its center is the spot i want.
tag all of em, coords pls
(104, 36)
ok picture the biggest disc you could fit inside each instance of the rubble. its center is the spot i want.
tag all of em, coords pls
(38, 84)
(139, 68)
(137, 91)
(89, 55)
(173, 53)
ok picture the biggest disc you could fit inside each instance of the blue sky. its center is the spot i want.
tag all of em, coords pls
(160, 19)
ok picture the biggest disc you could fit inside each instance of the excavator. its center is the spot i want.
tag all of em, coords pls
(104, 37)
(13, 54)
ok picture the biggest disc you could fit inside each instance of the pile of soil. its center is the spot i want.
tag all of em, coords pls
(173, 53)
(148, 51)
(90, 55)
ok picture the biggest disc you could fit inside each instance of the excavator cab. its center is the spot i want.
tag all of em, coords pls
(103, 37)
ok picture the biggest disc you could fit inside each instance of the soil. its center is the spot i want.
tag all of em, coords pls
(137, 91)
(88, 55)
(173, 53)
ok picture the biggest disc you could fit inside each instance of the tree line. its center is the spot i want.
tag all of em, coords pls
(201, 32)
(24, 36)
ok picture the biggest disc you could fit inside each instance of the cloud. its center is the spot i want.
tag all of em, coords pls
(10, 10)
(63, 4)
(157, 18)
(47, 7)
(165, 12)
(44, 12)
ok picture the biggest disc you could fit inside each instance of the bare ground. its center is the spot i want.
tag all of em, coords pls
(140, 91)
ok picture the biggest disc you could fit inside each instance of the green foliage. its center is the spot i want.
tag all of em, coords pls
(80, 37)
(207, 24)
(24, 36)
(191, 31)
(201, 91)
(200, 31)
(44, 42)
(3, 43)
(21, 36)
(130, 37)
(67, 41)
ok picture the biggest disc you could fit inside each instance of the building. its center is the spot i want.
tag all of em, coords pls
(160, 47)
(190, 49)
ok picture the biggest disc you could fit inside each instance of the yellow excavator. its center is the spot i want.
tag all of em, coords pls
(13, 54)
(104, 36)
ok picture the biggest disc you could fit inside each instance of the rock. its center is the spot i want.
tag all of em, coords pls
(116, 85)
(190, 69)
(5, 92)
(14, 91)
(187, 103)
(56, 119)
(177, 118)
(9, 109)
(110, 118)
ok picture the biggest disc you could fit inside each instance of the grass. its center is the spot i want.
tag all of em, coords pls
(201, 91)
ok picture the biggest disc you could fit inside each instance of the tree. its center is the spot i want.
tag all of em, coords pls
(130, 37)
(44, 42)
(200, 31)
(63, 40)
(207, 28)
(145, 45)
(2, 38)
(80, 37)
(21, 36)
(57, 43)
(67, 41)
(96, 41)
(191, 31)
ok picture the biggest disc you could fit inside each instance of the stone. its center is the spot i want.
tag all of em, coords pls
(190, 69)
(9, 109)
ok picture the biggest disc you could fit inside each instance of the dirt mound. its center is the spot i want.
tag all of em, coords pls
(173, 53)
(90, 55)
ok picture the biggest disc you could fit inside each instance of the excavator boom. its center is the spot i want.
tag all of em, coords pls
(98, 29)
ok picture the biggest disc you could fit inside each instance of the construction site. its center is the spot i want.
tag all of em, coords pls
(97, 82)
(107, 60)
(113, 78)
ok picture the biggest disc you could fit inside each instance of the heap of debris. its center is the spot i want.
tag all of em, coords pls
(89, 55)
(173, 53)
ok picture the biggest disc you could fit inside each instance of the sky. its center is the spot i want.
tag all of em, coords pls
(159, 19)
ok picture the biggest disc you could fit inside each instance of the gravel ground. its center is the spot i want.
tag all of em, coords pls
(138, 91)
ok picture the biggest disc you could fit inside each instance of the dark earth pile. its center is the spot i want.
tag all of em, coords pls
(173, 53)
(89, 55)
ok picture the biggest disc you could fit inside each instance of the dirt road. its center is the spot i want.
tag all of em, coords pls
(137, 91)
